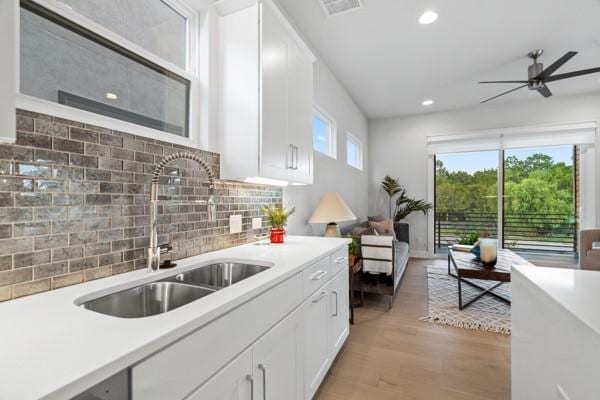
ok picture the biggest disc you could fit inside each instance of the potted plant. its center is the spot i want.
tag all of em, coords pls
(392, 188)
(277, 217)
(353, 250)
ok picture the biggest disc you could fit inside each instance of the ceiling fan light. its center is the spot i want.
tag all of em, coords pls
(428, 17)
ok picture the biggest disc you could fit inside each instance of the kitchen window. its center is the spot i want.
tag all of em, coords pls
(354, 152)
(324, 135)
(129, 65)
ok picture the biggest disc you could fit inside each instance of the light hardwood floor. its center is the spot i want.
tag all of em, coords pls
(391, 355)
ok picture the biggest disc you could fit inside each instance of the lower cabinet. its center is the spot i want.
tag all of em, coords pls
(269, 370)
(340, 310)
(233, 382)
(316, 314)
(277, 366)
(277, 346)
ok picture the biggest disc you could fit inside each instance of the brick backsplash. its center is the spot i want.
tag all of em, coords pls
(74, 204)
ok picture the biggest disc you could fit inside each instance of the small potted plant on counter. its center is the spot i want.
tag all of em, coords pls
(277, 217)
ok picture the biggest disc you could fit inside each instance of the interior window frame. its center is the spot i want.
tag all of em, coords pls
(30, 103)
(331, 132)
(350, 138)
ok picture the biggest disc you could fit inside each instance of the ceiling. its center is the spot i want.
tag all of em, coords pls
(389, 63)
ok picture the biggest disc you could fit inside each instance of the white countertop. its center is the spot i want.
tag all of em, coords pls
(52, 349)
(578, 291)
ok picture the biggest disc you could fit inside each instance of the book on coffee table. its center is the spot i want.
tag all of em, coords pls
(462, 247)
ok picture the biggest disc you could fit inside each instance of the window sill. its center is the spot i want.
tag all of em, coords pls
(325, 154)
(34, 104)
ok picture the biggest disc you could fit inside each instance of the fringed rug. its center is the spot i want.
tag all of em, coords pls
(486, 314)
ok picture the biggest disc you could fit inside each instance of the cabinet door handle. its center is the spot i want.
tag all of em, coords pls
(340, 260)
(318, 275)
(318, 299)
(336, 303)
(250, 379)
(296, 152)
(289, 165)
(263, 368)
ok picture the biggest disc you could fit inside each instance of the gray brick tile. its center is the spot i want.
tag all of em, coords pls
(31, 229)
(51, 241)
(84, 135)
(33, 140)
(9, 246)
(83, 161)
(30, 199)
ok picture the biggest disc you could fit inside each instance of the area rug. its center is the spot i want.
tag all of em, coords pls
(486, 314)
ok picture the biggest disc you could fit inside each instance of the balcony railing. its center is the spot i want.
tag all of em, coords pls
(536, 232)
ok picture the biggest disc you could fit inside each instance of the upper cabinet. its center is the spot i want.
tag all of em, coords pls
(266, 95)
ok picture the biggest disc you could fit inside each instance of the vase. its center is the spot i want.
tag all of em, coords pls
(276, 235)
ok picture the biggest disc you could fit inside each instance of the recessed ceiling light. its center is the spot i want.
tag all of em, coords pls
(428, 17)
(111, 96)
(427, 102)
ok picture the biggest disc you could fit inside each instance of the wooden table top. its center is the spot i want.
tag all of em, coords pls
(467, 266)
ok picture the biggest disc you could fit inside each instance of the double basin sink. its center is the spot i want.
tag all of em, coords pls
(169, 293)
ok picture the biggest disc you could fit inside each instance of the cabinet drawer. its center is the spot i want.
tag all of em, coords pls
(339, 260)
(180, 368)
(315, 276)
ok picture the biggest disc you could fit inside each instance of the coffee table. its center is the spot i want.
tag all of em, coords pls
(466, 266)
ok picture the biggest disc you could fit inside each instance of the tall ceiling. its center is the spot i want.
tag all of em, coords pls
(389, 63)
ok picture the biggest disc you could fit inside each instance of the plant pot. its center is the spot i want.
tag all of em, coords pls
(276, 235)
(351, 260)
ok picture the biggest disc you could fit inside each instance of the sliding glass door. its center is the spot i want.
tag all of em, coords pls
(538, 188)
(539, 199)
(466, 197)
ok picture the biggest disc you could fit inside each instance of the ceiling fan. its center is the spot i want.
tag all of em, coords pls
(538, 76)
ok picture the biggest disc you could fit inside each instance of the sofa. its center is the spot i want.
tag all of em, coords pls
(384, 257)
(589, 258)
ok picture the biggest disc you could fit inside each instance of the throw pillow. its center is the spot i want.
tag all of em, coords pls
(376, 218)
(385, 227)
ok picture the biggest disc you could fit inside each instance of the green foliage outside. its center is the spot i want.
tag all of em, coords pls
(535, 185)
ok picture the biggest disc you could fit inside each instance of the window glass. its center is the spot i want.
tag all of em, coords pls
(151, 24)
(321, 132)
(353, 152)
(66, 64)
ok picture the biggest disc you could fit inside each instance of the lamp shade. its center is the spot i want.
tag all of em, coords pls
(331, 208)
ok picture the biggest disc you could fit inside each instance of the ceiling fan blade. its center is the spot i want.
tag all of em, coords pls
(545, 74)
(572, 74)
(504, 82)
(544, 91)
(502, 94)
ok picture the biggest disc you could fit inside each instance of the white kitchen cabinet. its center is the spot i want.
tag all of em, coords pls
(266, 95)
(317, 354)
(339, 326)
(277, 362)
(233, 382)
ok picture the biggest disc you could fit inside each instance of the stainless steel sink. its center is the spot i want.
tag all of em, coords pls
(175, 291)
(146, 300)
(218, 276)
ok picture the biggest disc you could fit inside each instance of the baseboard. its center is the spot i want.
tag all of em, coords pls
(420, 254)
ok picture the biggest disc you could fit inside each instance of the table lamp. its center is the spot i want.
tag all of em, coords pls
(330, 210)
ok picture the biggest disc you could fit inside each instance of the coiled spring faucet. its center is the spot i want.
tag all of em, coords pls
(153, 253)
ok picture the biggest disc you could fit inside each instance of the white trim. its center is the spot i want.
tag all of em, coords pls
(587, 187)
(9, 71)
(66, 12)
(350, 137)
(35, 104)
(198, 132)
(331, 128)
(431, 200)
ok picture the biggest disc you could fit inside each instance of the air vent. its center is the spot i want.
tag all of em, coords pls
(337, 7)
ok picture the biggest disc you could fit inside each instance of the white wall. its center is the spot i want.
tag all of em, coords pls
(398, 146)
(332, 175)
